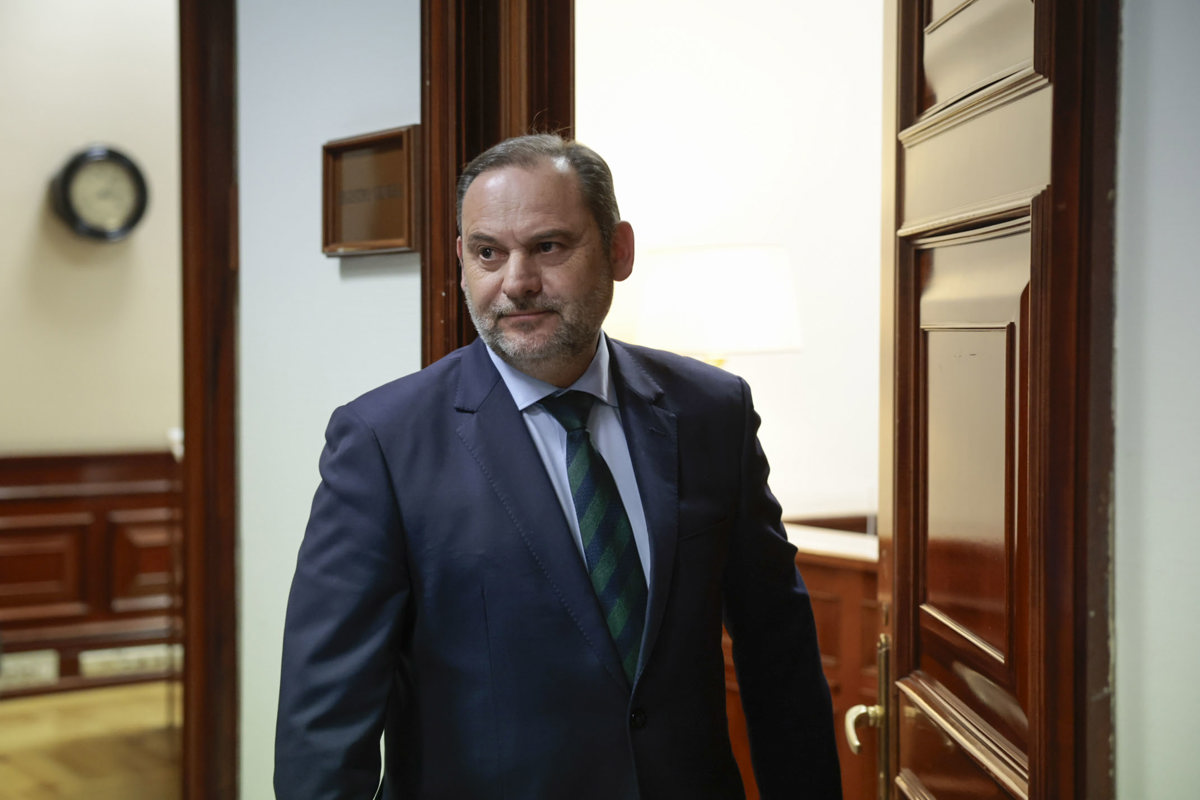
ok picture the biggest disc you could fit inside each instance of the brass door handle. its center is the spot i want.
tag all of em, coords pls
(876, 717)
(872, 715)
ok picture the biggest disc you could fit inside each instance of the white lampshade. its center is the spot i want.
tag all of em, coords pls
(714, 302)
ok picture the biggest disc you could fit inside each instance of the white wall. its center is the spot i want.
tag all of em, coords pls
(1157, 550)
(758, 122)
(89, 332)
(314, 331)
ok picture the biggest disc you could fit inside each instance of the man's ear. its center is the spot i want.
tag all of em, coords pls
(622, 250)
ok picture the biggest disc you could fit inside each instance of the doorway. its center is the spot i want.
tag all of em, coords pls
(93, 376)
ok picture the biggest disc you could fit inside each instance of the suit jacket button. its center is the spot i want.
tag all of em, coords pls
(637, 719)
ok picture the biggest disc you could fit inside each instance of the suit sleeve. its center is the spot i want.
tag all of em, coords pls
(347, 600)
(769, 617)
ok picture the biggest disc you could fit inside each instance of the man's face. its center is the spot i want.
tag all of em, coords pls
(537, 279)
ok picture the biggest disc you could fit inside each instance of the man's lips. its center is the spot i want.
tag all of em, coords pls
(525, 316)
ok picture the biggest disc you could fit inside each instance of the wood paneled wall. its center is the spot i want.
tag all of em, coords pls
(89, 560)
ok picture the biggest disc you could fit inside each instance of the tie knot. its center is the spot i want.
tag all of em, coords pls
(571, 409)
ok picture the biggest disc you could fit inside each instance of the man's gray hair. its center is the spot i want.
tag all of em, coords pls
(595, 178)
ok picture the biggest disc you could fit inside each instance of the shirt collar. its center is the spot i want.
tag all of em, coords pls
(526, 390)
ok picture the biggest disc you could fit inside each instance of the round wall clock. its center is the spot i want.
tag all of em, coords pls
(100, 193)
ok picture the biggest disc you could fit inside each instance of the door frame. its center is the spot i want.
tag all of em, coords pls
(208, 108)
(1074, 363)
(467, 46)
(490, 69)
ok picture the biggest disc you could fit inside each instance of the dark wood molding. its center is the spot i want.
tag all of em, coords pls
(1085, 39)
(1094, 748)
(87, 475)
(1072, 359)
(208, 83)
(537, 62)
(448, 122)
(895, 61)
(79, 471)
(489, 70)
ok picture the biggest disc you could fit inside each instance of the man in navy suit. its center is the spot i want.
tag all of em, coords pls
(446, 595)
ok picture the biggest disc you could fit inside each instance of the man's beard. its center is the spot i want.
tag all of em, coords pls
(576, 332)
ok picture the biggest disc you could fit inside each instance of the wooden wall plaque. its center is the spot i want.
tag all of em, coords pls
(370, 193)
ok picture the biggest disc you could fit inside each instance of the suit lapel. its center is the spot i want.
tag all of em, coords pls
(652, 434)
(493, 431)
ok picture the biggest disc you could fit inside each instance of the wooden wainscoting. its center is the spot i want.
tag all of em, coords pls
(89, 570)
(842, 589)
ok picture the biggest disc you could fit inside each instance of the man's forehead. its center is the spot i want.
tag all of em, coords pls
(548, 182)
(545, 169)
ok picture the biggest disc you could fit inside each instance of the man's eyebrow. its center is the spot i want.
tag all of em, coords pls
(475, 239)
(479, 238)
(554, 233)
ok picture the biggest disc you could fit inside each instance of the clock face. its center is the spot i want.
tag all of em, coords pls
(104, 194)
(100, 193)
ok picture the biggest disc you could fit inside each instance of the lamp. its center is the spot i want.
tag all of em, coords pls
(714, 302)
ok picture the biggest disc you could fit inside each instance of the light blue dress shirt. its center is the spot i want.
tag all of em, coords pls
(604, 427)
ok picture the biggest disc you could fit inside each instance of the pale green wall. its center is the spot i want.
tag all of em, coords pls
(89, 332)
(1157, 498)
(313, 331)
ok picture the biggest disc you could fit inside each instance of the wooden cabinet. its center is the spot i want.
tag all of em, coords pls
(89, 567)
(839, 570)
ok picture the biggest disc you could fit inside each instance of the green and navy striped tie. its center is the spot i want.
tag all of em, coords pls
(609, 549)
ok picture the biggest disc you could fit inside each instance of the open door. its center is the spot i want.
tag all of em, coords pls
(993, 530)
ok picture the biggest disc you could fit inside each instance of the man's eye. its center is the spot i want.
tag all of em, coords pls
(547, 247)
(486, 253)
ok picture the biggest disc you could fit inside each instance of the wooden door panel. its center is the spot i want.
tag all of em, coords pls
(991, 148)
(968, 509)
(972, 433)
(941, 759)
(978, 277)
(963, 671)
(143, 543)
(969, 45)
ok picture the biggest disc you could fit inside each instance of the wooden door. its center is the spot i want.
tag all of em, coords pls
(991, 561)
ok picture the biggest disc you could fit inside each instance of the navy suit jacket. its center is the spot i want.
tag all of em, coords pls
(439, 598)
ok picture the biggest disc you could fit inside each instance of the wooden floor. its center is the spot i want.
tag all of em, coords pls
(100, 744)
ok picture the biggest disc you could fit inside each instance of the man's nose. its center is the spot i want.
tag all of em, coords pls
(522, 276)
